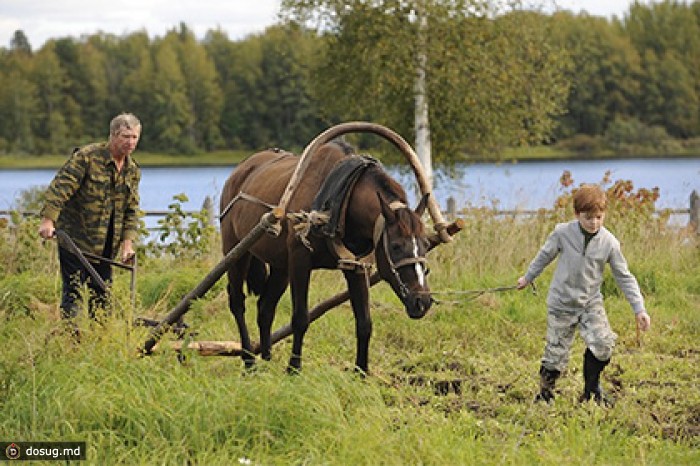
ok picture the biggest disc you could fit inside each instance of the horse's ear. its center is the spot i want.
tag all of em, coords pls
(387, 211)
(420, 208)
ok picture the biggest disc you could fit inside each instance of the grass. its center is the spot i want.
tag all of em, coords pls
(453, 388)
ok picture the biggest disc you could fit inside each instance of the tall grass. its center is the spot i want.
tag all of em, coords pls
(453, 388)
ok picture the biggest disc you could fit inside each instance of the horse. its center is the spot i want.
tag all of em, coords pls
(375, 219)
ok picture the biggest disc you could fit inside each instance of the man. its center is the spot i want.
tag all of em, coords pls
(94, 199)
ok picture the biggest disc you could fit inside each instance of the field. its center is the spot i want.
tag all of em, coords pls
(453, 388)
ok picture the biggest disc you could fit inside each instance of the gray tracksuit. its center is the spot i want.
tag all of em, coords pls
(574, 298)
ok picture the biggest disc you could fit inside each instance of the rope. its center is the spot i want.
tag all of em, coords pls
(478, 292)
(303, 222)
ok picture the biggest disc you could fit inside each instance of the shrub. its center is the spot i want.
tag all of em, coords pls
(181, 238)
(581, 143)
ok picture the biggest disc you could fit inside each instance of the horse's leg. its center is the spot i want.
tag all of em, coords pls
(359, 300)
(300, 276)
(236, 304)
(267, 304)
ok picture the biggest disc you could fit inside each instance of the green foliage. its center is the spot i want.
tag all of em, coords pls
(581, 144)
(31, 199)
(497, 75)
(21, 248)
(488, 83)
(631, 136)
(180, 237)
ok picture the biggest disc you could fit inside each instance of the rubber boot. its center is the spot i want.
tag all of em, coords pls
(592, 368)
(548, 379)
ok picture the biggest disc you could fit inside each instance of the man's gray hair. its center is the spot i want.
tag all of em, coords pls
(121, 121)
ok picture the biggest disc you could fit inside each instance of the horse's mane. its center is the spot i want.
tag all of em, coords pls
(409, 223)
(345, 147)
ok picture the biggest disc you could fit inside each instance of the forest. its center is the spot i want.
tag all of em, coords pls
(514, 79)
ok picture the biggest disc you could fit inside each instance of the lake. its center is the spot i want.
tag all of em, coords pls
(509, 186)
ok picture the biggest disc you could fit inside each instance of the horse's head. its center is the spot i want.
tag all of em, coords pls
(400, 247)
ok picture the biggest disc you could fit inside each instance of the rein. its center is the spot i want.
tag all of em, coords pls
(475, 293)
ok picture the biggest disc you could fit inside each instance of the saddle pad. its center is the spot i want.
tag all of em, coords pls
(334, 193)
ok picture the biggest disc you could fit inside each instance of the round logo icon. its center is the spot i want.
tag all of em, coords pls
(12, 451)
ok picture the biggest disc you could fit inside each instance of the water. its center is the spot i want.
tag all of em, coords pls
(508, 186)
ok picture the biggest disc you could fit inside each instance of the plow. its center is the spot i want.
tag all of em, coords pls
(270, 223)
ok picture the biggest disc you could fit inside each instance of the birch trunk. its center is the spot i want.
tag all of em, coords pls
(422, 122)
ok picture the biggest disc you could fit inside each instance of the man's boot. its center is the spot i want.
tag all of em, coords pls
(592, 368)
(548, 379)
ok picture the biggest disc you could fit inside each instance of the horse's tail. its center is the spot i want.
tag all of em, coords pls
(257, 276)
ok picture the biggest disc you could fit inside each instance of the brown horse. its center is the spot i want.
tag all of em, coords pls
(376, 219)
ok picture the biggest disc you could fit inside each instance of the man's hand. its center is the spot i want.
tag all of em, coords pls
(46, 228)
(128, 252)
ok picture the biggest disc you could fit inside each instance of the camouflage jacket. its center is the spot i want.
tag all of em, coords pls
(87, 190)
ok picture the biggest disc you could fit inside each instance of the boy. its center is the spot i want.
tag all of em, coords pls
(574, 298)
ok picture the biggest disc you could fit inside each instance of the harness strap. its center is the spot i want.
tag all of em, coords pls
(347, 260)
(241, 195)
(246, 197)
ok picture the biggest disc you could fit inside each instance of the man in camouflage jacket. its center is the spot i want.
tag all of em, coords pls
(94, 198)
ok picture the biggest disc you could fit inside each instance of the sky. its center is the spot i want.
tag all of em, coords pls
(41, 19)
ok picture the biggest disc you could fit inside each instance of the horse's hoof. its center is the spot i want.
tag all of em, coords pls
(266, 356)
(294, 367)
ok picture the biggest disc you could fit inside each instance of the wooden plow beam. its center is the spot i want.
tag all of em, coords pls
(267, 222)
(270, 223)
(233, 348)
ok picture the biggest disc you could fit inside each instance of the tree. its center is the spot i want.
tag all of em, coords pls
(605, 76)
(398, 59)
(667, 35)
(203, 91)
(19, 105)
(171, 111)
(668, 97)
(50, 81)
(235, 109)
(19, 43)
(266, 82)
(290, 114)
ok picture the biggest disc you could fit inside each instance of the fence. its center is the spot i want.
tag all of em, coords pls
(693, 211)
(451, 212)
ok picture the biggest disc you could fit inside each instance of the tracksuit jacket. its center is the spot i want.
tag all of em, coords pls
(579, 273)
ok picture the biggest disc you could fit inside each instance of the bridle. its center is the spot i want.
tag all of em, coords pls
(380, 233)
